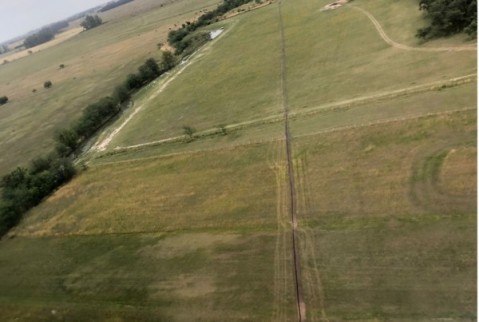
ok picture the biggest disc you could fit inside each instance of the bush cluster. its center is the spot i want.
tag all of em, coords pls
(178, 38)
(448, 17)
(91, 22)
(45, 34)
(3, 100)
(24, 188)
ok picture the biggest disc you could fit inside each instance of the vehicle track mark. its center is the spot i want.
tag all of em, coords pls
(301, 306)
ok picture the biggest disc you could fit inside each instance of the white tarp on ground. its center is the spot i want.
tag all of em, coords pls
(215, 33)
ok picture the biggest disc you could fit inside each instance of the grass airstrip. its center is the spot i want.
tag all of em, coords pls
(384, 155)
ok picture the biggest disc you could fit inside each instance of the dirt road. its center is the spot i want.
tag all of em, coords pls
(394, 44)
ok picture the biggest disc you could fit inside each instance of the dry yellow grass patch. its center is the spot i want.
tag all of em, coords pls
(59, 38)
(459, 171)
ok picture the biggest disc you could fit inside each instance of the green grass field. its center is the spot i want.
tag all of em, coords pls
(384, 154)
(218, 88)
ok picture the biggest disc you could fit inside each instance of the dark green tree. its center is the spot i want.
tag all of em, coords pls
(448, 17)
(133, 82)
(168, 60)
(3, 100)
(67, 141)
(121, 94)
(91, 22)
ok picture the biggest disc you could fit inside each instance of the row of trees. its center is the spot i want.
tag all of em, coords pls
(114, 4)
(97, 114)
(25, 188)
(179, 38)
(91, 22)
(45, 34)
(448, 17)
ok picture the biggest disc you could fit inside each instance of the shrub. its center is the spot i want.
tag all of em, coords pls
(47, 84)
(3, 100)
(91, 22)
(189, 132)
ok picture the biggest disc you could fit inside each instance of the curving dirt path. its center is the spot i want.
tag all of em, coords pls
(394, 44)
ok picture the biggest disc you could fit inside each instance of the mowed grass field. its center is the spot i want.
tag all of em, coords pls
(233, 80)
(388, 220)
(96, 61)
(179, 223)
(384, 155)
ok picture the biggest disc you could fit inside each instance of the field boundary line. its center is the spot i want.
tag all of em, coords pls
(266, 141)
(417, 89)
(432, 86)
(394, 44)
(387, 121)
(199, 151)
(301, 305)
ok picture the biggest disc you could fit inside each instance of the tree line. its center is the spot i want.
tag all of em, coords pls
(114, 4)
(448, 17)
(45, 34)
(24, 188)
(180, 38)
(95, 115)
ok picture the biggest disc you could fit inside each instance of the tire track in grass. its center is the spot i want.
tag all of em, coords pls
(312, 274)
(267, 141)
(280, 269)
(343, 104)
(301, 306)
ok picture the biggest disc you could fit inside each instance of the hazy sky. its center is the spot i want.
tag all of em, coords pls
(21, 16)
